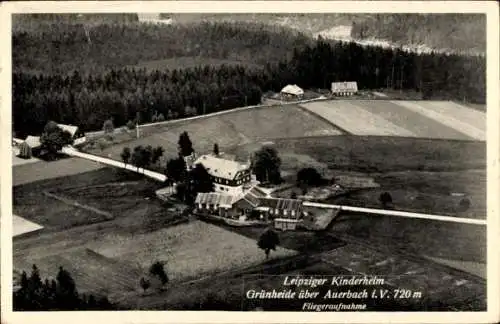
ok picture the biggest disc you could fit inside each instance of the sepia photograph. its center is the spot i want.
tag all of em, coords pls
(304, 162)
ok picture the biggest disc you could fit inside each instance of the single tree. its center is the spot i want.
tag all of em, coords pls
(309, 177)
(464, 204)
(176, 169)
(266, 165)
(158, 269)
(125, 155)
(161, 117)
(108, 126)
(145, 283)
(147, 155)
(201, 180)
(385, 199)
(131, 125)
(25, 151)
(137, 157)
(216, 149)
(268, 241)
(53, 138)
(185, 144)
(157, 154)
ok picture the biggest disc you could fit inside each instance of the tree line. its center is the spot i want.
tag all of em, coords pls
(61, 294)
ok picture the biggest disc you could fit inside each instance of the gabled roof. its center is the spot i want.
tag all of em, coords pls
(214, 198)
(219, 167)
(293, 89)
(69, 128)
(33, 141)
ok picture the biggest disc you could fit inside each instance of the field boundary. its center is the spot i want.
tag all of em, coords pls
(74, 203)
(342, 130)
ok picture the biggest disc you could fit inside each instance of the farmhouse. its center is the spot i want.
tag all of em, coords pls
(291, 92)
(344, 89)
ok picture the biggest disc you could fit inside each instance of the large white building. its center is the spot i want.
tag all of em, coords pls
(229, 176)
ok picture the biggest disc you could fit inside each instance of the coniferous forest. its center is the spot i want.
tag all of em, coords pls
(85, 76)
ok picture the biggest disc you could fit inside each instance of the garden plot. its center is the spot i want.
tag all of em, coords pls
(354, 119)
(190, 250)
(464, 120)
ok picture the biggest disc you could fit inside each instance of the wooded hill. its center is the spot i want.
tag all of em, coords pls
(85, 83)
(457, 32)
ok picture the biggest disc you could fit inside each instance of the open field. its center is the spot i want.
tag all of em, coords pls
(188, 62)
(42, 170)
(190, 250)
(427, 119)
(377, 154)
(230, 129)
(453, 241)
(467, 121)
(427, 192)
(347, 115)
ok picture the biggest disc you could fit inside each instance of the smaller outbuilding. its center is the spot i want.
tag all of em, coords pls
(292, 92)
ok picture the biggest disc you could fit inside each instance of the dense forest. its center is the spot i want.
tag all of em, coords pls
(460, 32)
(61, 48)
(86, 82)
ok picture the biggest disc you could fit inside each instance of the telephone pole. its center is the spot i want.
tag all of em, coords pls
(137, 124)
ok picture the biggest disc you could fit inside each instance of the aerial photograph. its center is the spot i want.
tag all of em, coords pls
(249, 162)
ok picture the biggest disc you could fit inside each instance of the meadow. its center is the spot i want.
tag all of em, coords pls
(423, 119)
(228, 130)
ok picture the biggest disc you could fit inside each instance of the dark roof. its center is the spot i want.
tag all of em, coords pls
(213, 198)
(282, 203)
